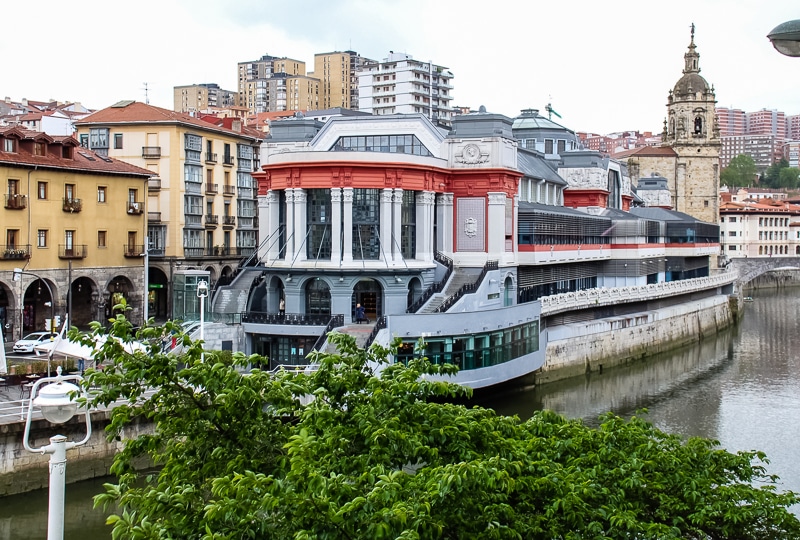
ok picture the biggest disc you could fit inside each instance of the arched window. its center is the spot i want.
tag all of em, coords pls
(698, 125)
(614, 190)
(318, 297)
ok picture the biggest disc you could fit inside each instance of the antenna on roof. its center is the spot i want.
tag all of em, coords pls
(146, 95)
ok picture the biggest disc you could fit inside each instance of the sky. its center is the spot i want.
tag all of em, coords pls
(603, 66)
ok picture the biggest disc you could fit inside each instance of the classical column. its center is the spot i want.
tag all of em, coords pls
(336, 224)
(266, 208)
(386, 224)
(291, 235)
(397, 225)
(444, 215)
(496, 226)
(347, 214)
(424, 223)
(300, 225)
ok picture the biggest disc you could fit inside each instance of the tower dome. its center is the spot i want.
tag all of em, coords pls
(691, 82)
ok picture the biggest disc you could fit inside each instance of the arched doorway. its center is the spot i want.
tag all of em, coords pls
(157, 294)
(79, 303)
(37, 306)
(6, 312)
(118, 288)
(318, 297)
(369, 294)
(508, 297)
(414, 291)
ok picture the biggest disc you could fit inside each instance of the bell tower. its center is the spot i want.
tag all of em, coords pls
(692, 132)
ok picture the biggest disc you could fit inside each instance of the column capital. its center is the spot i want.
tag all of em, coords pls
(336, 194)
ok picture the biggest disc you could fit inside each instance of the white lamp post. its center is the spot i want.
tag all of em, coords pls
(202, 294)
(786, 38)
(57, 407)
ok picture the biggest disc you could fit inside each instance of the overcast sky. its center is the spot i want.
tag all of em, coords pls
(604, 66)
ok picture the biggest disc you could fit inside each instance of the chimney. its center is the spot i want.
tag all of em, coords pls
(236, 126)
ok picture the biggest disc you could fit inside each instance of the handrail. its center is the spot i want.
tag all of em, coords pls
(437, 286)
(467, 288)
(300, 319)
(380, 324)
(335, 322)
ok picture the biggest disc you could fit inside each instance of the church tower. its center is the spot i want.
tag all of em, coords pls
(691, 131)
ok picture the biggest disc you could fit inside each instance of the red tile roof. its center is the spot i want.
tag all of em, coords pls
(134, 112)
(83, 160)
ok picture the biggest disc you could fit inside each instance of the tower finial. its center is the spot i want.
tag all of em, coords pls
(692, 32)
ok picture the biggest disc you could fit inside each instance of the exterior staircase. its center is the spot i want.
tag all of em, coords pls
(232, 298)
(460, 277)
(359, 331)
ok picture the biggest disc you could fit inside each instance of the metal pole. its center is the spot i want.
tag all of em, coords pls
(58, 465)
(202, 325)
(69, 294)
(146, 305)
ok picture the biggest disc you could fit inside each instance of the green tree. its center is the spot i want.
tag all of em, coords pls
(772, 175)
(788, 177)
(351, 451)
(740, 172)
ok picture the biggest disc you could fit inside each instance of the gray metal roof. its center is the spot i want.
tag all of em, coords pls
(533, 165)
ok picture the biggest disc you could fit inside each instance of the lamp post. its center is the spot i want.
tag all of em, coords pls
(786, 38)
(202, 294)
(57, 403)
(17, 276)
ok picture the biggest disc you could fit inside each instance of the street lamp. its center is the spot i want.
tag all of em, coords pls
(202, 294)
(57, 403)
(17, 276)
(786, 38)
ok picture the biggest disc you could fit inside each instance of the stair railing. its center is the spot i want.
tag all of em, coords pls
(437, 286)
(380, 324)
(467, 288)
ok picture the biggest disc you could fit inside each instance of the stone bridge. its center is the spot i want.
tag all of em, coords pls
(749, 268)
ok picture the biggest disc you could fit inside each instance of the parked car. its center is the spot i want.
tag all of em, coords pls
(26, 344)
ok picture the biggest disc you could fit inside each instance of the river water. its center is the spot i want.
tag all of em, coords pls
(741, 387)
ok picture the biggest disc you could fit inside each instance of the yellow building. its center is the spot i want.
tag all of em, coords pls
(202, 98)
(338, 76)
(253, 86)
(74, 222)
(201, 202)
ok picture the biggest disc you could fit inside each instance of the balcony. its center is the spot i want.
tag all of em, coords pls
(154, 184)
(151, 152)
(71, 252)
(72, 205)
(228, 222)
(15, 201)
(133, 252)
(154, 216)
(229, 191)
(211, 189)
(135, 208)
(16, 252)
(212, 220)
(193, 251)
(211, 157)
(227, 160)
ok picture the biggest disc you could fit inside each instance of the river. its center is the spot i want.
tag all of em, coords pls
(741, 387)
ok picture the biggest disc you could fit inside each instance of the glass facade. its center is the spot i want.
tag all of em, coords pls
(318, 222)
(392, 144)
(318, 298)
(408, 225)
(366, 224)
(479, 350)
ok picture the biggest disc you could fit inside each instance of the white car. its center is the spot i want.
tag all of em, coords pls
(26, 344)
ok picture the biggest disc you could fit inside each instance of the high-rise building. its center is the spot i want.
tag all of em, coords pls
(401, 85)
(194, 98)
(338, 76)
(254, 90)
(731, 121)
(767, 122)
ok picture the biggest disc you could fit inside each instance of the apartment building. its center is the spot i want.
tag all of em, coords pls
(401, 85)
(338, 76)
(254, 90)
(765, 228)
(765, 149)
(202, 98)
(731, 121)
(74, 221)
(201, 202)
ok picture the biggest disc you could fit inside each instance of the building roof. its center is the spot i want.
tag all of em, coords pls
(533, 165)
(82, 160)
(134, 112)
(647, 151)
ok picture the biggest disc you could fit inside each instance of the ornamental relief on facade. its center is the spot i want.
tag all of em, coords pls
(472, 154)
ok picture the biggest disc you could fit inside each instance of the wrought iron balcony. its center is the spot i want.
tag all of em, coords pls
(72, 205)
(16, 201)
(16, 252)
(212, 220)
(151, 152)
(135, 208)
(154, 216)
(211, 157)
(228, 221)
(229, 191)
(154, 184)
(211, 188)
(227, 160)
(72, 252)
(193, 251)
(133, 251)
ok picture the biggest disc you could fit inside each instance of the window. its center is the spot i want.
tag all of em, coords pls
(84, 140)
(732, 219)
(548, 146)
(9, 145)
(117, 141)
(69, 191)
(13, 187)
(38, 149)
(41, 190)
(69, 238)
(132, 193)
(731, 233)
(11, 238)
(98, 140)
(101, 239)
(101, 194)
(562, 146)
(41, 238)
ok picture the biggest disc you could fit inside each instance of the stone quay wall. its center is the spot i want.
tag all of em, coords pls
(575, 349)
(22, 471)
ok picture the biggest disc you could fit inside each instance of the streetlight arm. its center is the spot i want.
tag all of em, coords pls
(48, 449)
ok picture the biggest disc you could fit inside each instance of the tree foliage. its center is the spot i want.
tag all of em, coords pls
(347, 452)
(740, 172)
(772, 176)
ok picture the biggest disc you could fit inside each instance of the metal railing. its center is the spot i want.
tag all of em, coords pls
(16, 251)
(153, 216)
(72, 205)
(227, 160)
(133, 250)
(380, 324)
(211, 188)
(211, 157)
(335, 322)
(229, 220)
(294, 319)
(467, 288)
(16, 201)
(72, 252)
(151, 152)
(212, 219)
(135, 208)
(435, 287)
